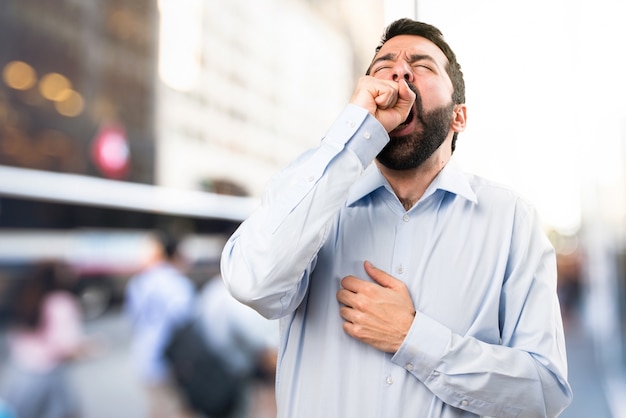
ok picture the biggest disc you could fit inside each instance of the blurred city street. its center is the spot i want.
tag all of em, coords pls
(125, 118)
(106, 384)
(109, 389)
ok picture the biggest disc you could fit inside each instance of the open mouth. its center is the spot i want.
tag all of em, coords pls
(407, 121)
(409, 118)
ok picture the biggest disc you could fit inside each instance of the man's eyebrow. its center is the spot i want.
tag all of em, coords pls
(387, 57)
(412, 58)
(421, 57)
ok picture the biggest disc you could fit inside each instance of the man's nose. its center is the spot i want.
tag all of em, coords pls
(402, 70)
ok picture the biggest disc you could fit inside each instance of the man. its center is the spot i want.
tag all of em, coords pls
(405, 288)
(159, 299)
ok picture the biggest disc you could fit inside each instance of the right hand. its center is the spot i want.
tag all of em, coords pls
(388, 101)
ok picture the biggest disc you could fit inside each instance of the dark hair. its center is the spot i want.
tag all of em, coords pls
(169, 243)
(411, 27)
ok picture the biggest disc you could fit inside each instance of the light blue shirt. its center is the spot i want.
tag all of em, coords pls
(157, 300)
(487, 339)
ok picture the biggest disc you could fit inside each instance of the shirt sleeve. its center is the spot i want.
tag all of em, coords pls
(524, 376)
(266, 261)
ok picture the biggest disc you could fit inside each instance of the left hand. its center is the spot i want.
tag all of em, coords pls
(379, 314)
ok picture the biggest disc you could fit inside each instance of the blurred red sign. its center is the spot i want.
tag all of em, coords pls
(110, 151)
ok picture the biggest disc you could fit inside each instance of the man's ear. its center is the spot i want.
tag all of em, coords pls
(459, 119)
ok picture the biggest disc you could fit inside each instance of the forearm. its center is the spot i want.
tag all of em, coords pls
(264, 264)
(486, 379)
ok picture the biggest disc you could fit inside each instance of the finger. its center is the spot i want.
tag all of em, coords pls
(350, 328)
(373, 94)
(379, 276)
(405, 100)
(387, 97)
(351, 283)
(344, 297)
(405, 94)
(347, 314)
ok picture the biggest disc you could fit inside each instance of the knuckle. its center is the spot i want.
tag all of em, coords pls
(359, 305)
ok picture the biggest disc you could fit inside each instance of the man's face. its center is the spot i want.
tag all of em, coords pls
(423, 65)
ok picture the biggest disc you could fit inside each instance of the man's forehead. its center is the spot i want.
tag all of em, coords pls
(412, 44)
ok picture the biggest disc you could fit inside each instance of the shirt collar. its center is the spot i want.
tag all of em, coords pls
(450, 179)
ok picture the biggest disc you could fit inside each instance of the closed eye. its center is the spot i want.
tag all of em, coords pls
(384, 67)
(423, 61)
(426, 67)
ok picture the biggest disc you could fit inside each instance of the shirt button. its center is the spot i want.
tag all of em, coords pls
(399, 270)
(464, 402)
(409, 367)
(310, 179)
(350, 123)
(405, 218)
(367, 135)
(389, 380)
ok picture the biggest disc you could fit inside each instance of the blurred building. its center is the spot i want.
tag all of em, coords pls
(78, 87)
(170, 98)
(246, 86)
(77, 97)
(178, 95)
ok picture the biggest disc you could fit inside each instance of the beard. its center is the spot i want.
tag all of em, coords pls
(407, 152)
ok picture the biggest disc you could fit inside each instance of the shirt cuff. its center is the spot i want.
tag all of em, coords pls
(359, 132)
(423, 347)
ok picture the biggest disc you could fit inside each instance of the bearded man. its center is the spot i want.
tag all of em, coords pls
(404, 287)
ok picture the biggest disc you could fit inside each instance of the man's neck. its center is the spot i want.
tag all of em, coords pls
(410, 185)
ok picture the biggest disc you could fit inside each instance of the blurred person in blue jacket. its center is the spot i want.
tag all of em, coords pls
(45, 335)
(405, 287)
(159, 299)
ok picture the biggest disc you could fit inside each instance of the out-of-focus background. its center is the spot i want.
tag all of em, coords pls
(121, 116)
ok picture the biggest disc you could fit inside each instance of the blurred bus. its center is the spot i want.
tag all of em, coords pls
(101, 227)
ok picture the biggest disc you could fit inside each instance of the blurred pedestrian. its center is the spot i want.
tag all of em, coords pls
(159, 299)
(405, 287)
(570, 284)
(46, 333)
(246, 342)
